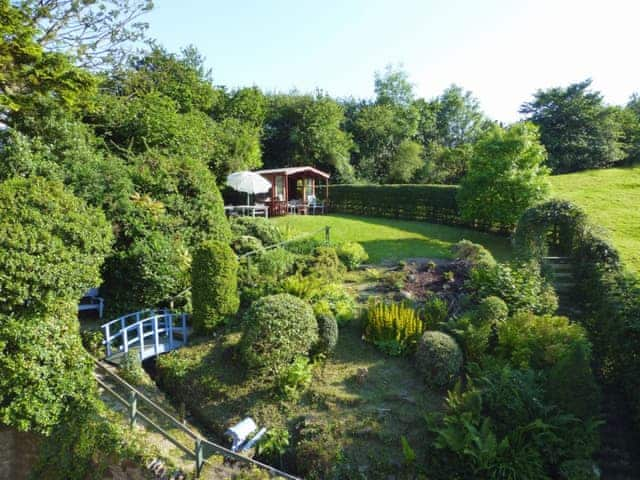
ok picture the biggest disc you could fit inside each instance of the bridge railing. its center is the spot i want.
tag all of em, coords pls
(134, 334)
(200, 447)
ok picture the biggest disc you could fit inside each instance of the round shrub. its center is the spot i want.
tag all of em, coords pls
(328, 333)
(352, 254)
(261, 228)
(276, 329)
(439, 359)
(246, 243)
(214, 285)
(491, 310)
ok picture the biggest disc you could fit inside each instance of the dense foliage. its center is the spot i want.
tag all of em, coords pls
(257, 227)
(522, 287)
(214, 285)
(276, 328)
(40, 383)
(51, 245)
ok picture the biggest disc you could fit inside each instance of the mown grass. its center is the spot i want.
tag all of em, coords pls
(611, 198)
(388, 239)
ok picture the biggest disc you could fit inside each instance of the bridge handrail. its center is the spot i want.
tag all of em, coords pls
(197, 453)
(137, 315)
(139, 327)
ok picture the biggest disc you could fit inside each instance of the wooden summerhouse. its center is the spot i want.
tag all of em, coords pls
(296, 189)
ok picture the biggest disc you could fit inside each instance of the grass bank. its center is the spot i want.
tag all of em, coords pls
(611, 198)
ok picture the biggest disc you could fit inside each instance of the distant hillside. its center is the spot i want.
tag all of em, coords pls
(611, 198)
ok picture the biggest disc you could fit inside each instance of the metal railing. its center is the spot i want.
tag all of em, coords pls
(197, 450)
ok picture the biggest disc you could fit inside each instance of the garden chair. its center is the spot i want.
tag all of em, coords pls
(314, 204)
(91, 301)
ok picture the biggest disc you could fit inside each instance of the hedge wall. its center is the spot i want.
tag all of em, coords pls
(433, 203)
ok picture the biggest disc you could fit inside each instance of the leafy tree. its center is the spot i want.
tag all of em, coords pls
(406, 161)
(576, 128)
(182, 78)
(392, 87)
(27, 72)
(506, 175)
(628, 119)
(459, 119)
(379, 130)
(248, 105)
(95, 32)
(305, 129)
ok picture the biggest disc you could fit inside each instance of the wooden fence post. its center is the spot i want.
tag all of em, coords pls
(199, 457)
(327, 237)
(133, 407)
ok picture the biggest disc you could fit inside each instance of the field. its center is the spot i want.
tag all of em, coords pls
(393, 240)
(611, 198)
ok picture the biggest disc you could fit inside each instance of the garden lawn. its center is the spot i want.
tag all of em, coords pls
(611, 198)
(392, 240)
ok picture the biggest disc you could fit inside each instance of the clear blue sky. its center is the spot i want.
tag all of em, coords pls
(500, 50)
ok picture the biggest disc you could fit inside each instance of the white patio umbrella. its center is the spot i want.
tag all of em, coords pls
(248, 182)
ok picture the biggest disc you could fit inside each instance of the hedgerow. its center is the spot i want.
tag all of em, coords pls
(433, 203)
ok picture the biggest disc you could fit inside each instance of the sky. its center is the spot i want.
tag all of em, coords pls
(503, 51)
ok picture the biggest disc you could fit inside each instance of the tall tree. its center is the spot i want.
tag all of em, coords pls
(506, 175)
(306, 130)
(576, 127)
(459, 119)
(96, 33)
(379, 130)
(392, 87)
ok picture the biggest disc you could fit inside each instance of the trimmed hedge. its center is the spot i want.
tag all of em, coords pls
(433, 203)
(214, 282)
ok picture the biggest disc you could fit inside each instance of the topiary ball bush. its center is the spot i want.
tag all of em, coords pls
(261, 228)
(439, 359)
(492, 310)
(327, 332)
(352, 254)
(214, 285)
(246, 243)
(276, 328)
